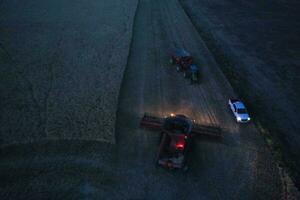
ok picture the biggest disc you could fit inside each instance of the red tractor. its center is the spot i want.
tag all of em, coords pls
(182, 59)
(184, 63)
(177, 132)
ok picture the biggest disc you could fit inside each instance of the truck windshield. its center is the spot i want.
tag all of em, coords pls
(242, 111)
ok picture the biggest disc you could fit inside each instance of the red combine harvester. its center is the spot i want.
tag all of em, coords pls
(177, 134)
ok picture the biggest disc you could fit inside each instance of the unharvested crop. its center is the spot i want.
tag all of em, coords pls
(62, 64)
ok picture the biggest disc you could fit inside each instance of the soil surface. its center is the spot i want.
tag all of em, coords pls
(238, 167)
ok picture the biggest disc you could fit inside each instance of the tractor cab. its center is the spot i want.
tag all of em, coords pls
(181, 58)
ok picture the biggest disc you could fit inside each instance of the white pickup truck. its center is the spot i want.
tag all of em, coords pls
(239, 110)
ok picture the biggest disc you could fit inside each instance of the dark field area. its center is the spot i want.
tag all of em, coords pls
(257, 45)
(62, 64)
(76, 78)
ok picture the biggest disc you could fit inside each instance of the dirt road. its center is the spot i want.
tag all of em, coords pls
(240, 167)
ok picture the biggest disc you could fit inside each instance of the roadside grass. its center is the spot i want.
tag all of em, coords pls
(241, 86)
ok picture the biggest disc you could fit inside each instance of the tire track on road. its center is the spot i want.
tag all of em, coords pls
(197, 93)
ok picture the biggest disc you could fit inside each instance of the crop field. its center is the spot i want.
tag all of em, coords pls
(77, 77)
(62, 64)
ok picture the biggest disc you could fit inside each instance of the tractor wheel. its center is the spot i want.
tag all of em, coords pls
(156, 164)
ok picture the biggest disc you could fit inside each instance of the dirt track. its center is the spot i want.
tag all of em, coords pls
(152, 85)
(238, 168)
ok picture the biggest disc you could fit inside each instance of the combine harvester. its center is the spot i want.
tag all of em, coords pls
(177, 133)
(184, 62)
